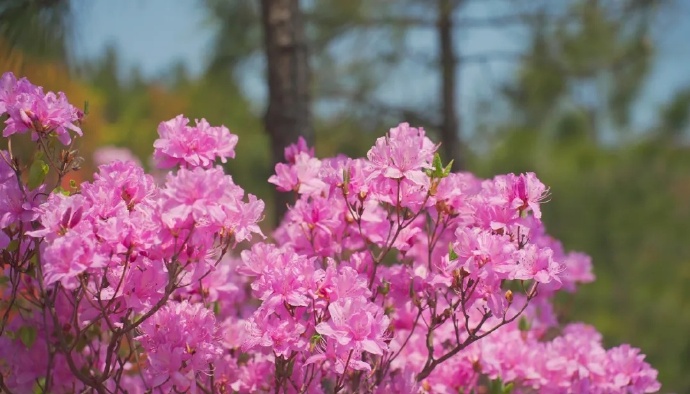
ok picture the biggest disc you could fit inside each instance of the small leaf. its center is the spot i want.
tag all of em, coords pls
(523, 324)
(13, 245)
(451, 253)
(438, 165)
(446, 171)
(37, 173)
(27, 335)
(72, 183)
(508, 388)
(39, 385)
(86, 107)
(82, 343)
(496, 386)
(316, 338)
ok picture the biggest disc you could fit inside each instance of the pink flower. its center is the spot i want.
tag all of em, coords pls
(180, 144)
(332, 356)
(18, 204)
(243, 218)
(8, 91)
(30, 109)
(529, 193)
(404, 153)
(198, 196)
(578, 269)
(358, 324)
(259, 259)
(628, 372)
(291, 151)
(537, 264)
(484, 255)
(109, 154)
(312, 225)
(301, 176)
(143, 284)
(282, 334)
(180, 340)
(70, 255)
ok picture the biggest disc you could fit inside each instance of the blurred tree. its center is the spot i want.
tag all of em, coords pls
(675, 118)
(619, 200)
(592, 61)
(288, 115)
(38, 28)
(450, 133)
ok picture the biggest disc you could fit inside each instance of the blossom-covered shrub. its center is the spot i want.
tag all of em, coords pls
(388, 274)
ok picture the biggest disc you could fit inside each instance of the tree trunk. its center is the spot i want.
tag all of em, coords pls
(451, 144)
(289, 114)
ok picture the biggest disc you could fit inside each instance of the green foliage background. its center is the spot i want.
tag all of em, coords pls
(620, 194)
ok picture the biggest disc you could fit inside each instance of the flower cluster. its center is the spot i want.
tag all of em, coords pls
(388, 274)
(180, 343)
(28, 108)
(182, 145)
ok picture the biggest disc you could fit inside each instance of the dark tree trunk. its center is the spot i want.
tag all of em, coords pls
(451, 144)
(289, 114)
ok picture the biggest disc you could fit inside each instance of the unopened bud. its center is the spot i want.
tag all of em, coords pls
(509, 296)
(434, 187)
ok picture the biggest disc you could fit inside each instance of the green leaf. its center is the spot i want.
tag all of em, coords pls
(451, 253)
(39, 385)
(37, 173)
(438, 165)
(13, 245)
(27, 335)
(82, 343)
(523, 324)
(86, 107)
(446, 171)
(72, 183)
(498, 387)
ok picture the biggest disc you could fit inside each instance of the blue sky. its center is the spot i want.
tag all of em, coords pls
(153, 34)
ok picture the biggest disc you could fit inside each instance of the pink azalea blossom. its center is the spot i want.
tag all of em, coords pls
(537, 264)
(186, 146)
(30, 109)
(181, 341)
(404, 153)
(358, 324)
